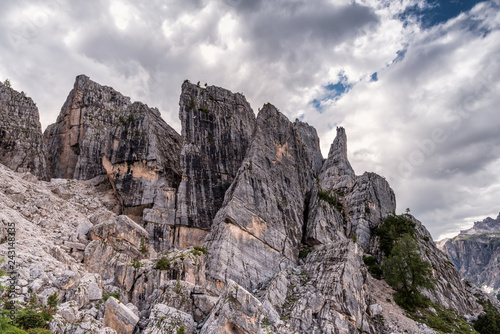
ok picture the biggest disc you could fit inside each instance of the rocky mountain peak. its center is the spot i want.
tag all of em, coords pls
(217, 127)
(346, 203)
(488, 225)
(100, 132)
(259, 228)
(338, 162)
(236, 226)
(476, 253)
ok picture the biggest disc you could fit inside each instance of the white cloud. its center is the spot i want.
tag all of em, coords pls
(430, 123)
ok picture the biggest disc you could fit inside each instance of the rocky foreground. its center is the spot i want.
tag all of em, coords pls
(237, 225)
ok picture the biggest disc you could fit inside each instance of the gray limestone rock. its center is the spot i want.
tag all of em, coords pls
(237, 311)
(342, 201)
(449, 291)
(117, 241)
(120, 229)
(146, 284)
(69, 312)
(475, 253)
(86, 324)
(119, 317)
(217, 127)
(100, 131)
(273, 195)
(103, 258)
(328, 294)
(21, 141)
(165, 319)
(260, 224)
(203, 304)
(66, 280)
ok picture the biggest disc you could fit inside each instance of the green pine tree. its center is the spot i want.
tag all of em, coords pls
(406, 272)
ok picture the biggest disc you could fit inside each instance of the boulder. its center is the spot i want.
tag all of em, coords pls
(119, 317)
(66, 280)
(120, 228)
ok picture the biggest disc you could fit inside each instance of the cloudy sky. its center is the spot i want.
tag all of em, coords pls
(415, 83)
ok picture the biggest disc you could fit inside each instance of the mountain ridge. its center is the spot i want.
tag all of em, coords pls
(237, 225)
(476, 253)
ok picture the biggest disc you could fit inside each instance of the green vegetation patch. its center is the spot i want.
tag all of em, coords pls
(106, 295)
(331, 199)
(443, 321)
(373, 266)
(31, 318)
(393, 228)
(304, 252)
(488, 323)
(406, 272)
(163, 263)
(198, 250)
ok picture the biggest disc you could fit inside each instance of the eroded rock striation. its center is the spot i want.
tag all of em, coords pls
(217, 127)
(476, 254)
(21, 141)
(259, 228)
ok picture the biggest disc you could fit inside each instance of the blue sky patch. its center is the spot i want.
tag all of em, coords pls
(400, 55)
(374, 77)
(333, 91)
(437, 12)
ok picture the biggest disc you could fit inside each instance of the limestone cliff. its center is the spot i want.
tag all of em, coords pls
(100, 131)
(259, 228)
(217, 127)
(21, 141)
(476, 254)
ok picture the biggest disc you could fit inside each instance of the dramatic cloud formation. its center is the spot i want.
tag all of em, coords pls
(414, 83)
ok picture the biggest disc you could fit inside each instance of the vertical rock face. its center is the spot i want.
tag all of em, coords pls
(21, 141)
(217, 127)
(476, 254)
(260, 224)
(346, 203)
(99, 131)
